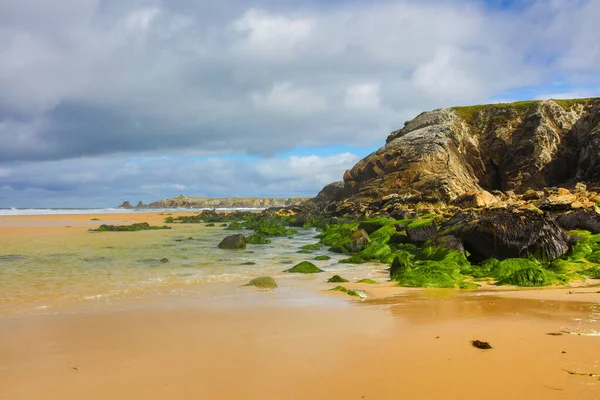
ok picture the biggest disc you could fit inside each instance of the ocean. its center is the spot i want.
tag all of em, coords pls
(48, 261)
(68, 211)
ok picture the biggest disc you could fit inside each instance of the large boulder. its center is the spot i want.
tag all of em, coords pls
(420, 232)
(588, 220)
(508, 233)
(359, 239)
(237, 241)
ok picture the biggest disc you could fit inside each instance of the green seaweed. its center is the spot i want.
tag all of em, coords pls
(371, 253)
(336, 279)
(349, 292)
(528, 276)
(305, 267)
(322, 258)
(369, 281)
(235, 226)
(263, 282)
(257, 239)
(140, 226)
(431, 267)
(315, 246)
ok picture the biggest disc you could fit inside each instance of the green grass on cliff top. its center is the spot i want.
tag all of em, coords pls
(469, 113)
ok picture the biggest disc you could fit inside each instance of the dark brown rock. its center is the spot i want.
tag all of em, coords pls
(422, 233)
(358, 241)
(237, 241)
(588, 220)
(508, 233)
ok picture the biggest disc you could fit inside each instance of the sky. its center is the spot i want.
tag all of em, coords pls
(103, 101)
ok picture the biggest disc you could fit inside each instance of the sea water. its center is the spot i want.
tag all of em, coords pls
(84, 266)
(62, 211)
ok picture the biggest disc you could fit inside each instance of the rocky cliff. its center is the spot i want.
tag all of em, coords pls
(226, 202)
(446, 153)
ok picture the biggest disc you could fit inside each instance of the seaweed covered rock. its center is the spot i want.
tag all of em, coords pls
(359, 239)
(521, 272)
(349, 292)
(588, 220)
(257, 239)
(140, 226)
(371, 226)
(263, 282)
(375, 252)
(305, 267)
(337, 279)
(235, 226)
(449, 242)
(508, 233)
(420, 232)
(237, 241)
(430, 267)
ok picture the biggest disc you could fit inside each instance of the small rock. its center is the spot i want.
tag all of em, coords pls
(237, 241)
(263, 282)
(481, 345)
(164, 260)
(305, 267)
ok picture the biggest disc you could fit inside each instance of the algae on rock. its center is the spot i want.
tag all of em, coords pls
(305, 267)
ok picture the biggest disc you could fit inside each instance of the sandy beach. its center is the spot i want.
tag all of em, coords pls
(298, 342)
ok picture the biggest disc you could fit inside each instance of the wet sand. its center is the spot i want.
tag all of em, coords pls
(302, 344)
(418, 347)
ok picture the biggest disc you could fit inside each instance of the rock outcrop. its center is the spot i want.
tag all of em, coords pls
(225, 202)
(507, 233)
(470, 153)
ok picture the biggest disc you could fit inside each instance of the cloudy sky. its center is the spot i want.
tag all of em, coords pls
(103, 101)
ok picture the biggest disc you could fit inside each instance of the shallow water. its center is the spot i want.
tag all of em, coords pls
(52, 270)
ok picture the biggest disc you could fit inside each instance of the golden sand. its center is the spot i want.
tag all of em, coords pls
(402, 344)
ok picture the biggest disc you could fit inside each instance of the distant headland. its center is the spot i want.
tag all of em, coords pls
(182, 201)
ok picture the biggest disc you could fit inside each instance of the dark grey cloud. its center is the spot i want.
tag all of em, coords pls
(106, 181)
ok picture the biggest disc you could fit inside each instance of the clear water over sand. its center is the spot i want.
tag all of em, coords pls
(69, 264)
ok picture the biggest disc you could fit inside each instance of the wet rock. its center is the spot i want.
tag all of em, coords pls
(358, 241)
(263, 282)
(237, 241)
(420, 232)
(588, 220)
(370, 226)
(337, 279)
(481, 345)
(139, 226)
(305, 267)
(449, 242)
(508, 233)
(399, 238)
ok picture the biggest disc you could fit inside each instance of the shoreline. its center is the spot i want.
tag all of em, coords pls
(300, 341)
(417, 345)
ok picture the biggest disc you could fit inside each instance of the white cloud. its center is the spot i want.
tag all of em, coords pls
(91, 77)
(65, 183)
(364, 96)
(271, 35)
(286, 97)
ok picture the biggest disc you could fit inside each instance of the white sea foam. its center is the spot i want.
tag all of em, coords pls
(67, 211)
